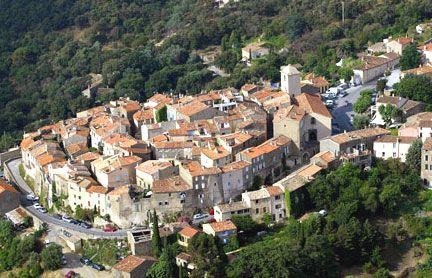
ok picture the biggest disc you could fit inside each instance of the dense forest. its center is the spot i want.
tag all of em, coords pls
(48, 48)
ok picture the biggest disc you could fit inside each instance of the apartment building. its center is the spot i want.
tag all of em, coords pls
(150, 171)
(115, 171)
(392, 147)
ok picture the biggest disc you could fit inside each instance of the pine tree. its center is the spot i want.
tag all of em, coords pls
(156, 243)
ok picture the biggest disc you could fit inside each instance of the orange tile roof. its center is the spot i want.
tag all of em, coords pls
(267, 147)
(152, 166)
(312, 103)
(425, 47)
(216, 153)
(274, 190)
(423, 70)
(188, 232)
(192, 108)
(309, 171)
(405, 40)
(142, 115)
(173, 145)
(237, 165)
(327, 156)
(394, 139)
(6, 187)
(195, 169)
(131, 262)
(358, 134)
(121, 190)
(223, 226)
(427, 145)
(248, 87)
(131, 106)
(170, 185)
(97, 189)
(26, 142)
(88, 156)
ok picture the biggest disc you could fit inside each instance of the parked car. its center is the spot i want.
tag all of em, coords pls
(31, 197)
(67, 234)
(200, 216)
(85, 261)
(329, 103)
(66, 218)
(343, 94)
(42, 209)
(322, 212)
(84, 225)
(57, 216)
(109, 228)
(98, 267)
(37, 205)
(64, 261)
(75, 222)
(70, 274)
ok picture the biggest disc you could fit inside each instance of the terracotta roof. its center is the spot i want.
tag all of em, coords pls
(292, 112)
(222, 226)
(405, 40)
(88, 156)
(235, 166)
(170, 185)
(370, 61)
(425, 47)
(120, 139)
(74, 148)
(233, 206)
(192, 108)
(394, 139)
(184, 256)
(152, 166)
(142, 115)
(97, 189)
(121, 190)
(427, 145)
(26, 142)
(358, 134)
(327, 156)
(312, 103)
(255, 46)
(309, 171)
(195, 169)
(131, 106)
(267, 147)
(130, 263)
(188, 232)
(6, 187)
(317, 81)
(274, 190)
(249, 87)
(216, 153)
(423, 70)
(173, 145)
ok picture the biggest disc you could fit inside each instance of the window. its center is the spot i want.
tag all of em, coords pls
(394, 154)
(394, 145)
(264, 210)
(426, 157)
(277, 197)
(278, 206)
(256, 210)
(430, 167)
(383, 154)
(426, 166)
(256, 201)
(313, 121)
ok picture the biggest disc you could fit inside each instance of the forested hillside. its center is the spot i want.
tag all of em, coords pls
(48, 48)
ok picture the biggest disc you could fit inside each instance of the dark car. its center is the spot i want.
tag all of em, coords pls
(57, 216)
(109, 228)
(85, 261)
(98, 267)
(84, 225)
(75, 222)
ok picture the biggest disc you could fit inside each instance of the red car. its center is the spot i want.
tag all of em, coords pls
(109, 228)
(70, 274)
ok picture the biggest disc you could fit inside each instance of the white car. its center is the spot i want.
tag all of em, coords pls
(31, 197)
(329, 103)
(37, 206)
(66, 218)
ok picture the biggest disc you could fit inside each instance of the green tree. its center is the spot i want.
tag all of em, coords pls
(364, 102)
(390, 113)
(161, 115)
(257, 182)
(411, 58)
(361, 121)
(381, 84)
(156, 242)
(166, 266)
(52, 257)
(345, 74)
(6, 232)
(207, 256)
(413, 157)
(390, 196)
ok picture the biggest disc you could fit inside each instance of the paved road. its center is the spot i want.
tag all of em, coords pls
(44, 217)
(342, 112)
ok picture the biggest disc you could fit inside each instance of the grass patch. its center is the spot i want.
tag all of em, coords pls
(105, 251)
(30, 181)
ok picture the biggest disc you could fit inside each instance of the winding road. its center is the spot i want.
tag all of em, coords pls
(13, 166)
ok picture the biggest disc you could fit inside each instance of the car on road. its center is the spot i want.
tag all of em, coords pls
(109, 228)
(329, 103)
(42, 210)
(343, 94)
(84, 225)
(98, 266)
(67, 234)
(37, 205)
(70, 274)
(32, 198)
(67, 219)
(57, 216)
(85, 261)
(200, 216)
(64, 261)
